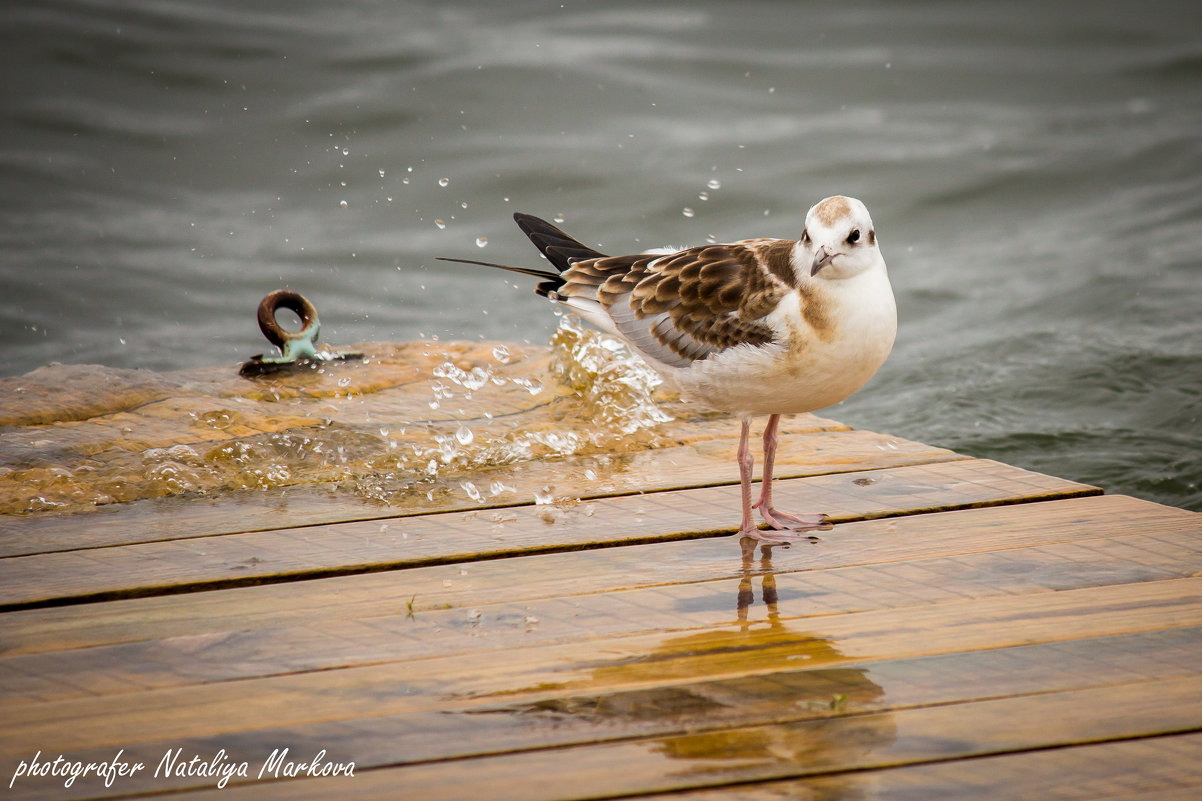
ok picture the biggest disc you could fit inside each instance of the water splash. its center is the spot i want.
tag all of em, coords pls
(611, 394)
(615, 384)
(413, 423)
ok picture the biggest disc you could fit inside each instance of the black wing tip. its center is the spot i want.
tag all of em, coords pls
(561, 249)
(531, 225)
(528, 222)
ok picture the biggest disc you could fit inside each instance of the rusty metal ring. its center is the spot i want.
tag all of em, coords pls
(293, 301)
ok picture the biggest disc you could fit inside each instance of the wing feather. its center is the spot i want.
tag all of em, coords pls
(675, 308)
(684, 306)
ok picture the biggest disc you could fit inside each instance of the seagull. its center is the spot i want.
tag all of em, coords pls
(758, 326)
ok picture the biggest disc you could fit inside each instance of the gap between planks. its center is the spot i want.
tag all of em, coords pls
(60, 578)
(676, 588)
(615, 662)
(916, 560)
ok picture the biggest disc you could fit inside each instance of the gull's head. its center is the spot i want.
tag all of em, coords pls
(839, 240)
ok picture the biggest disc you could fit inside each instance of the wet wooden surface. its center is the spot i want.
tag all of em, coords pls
(967, 629)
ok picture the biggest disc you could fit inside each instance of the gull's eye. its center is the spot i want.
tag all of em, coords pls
(854, 236)
(805, 236)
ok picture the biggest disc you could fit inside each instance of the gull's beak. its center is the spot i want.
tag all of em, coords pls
(821, 258)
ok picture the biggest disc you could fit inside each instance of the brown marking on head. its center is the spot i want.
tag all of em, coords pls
(831, 210)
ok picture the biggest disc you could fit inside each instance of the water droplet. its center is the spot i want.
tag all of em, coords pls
(711, 238)
(688, 212)
(559, 217)
(714, 183)
(544, 496)
(342, 204)
(703, 195)
(590, 474)
(472, 491)
(463, 204)
(501, 354)
(441, 224)
(381, 173)
(346, 151)
(464, 435)
(444, 181)
(481, 241)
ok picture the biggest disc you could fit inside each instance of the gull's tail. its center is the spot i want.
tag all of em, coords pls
(560, 249)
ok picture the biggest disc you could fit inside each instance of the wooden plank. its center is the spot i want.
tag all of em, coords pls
(738, 755)
(529, 578)
(463, 727)
(703, 460)
(530, 601)
(757, 753)
(1151, 769)
(591, 665)
(232, 560)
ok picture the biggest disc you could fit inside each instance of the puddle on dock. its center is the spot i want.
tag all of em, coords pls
(743, 696)
(408, 422)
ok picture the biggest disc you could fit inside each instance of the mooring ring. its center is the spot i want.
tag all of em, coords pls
(293, 301)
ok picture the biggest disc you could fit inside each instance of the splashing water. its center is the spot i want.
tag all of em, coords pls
(615, 384)
(418, 420)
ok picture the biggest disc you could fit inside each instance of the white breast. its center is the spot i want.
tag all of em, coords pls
(806, 372)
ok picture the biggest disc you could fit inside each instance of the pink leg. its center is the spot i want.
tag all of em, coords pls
(780, 520)
(746, 463)
(748, 528)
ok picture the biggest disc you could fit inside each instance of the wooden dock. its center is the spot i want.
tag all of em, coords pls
(967, 629)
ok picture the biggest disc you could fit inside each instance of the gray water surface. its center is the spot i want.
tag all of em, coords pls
(1034, 171)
